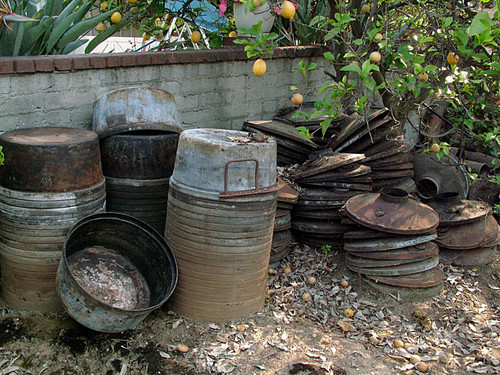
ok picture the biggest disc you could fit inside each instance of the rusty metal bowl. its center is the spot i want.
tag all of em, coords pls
(135, 108)
(115, 270)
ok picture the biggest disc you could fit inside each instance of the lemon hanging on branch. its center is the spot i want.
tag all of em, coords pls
(287, 9)
(259, 67)
(116, 17)
(195, 36)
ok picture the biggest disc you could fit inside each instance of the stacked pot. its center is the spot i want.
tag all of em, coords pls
(282, 235)
(326, 183)
(467, 232)
(52, 178)
(392, 246)
(378, 137)
(138, 129)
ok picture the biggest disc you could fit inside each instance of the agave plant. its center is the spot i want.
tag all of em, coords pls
(46, 27)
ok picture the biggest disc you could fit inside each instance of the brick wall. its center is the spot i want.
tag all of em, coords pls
(213, 88)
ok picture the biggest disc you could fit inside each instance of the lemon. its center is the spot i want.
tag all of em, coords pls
(233, 34)
(377, 37)
(182, 348)
(287, 9)
(132, 1)
(287, 270)
(100, 27)
(195, 36)
(366, 8)
(104, 5)
(311, 280)
(297, 99)
(259, 67)
(349, 313)
(257, 3)
(146, 36)
(116, 17)
(134, 10)
(422, 366)
(435, 148)
(375, 57)
(344, 283)
(452, 58)
(158, 34)
(423, 76)
(399, 344)
(306, 297)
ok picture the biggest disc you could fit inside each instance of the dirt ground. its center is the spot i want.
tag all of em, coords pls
(455, 332)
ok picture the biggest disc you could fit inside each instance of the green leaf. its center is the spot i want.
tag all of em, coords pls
(70, 47)
(293, 88)
(67, 11)
(19, 40)
(325, 124)
(36, 33)
(329, 56)
(82, 27)
(351, 68)
(480, 23)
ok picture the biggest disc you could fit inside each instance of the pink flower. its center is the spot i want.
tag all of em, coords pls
(222, 7)
(295, 5)
(277, 9)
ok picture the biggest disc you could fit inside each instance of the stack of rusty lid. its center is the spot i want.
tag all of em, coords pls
(304, 118)
(467, 232)
(326, 183)
(293, 147)
(282, 235)
(138, 128)
(393, 247)
(378, 137)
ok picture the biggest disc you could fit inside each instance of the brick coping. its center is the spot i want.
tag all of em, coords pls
(52, 63)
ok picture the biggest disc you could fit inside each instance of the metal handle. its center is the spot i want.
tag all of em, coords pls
(248, 192)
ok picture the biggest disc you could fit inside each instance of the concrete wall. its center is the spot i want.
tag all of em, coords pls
(213, 88)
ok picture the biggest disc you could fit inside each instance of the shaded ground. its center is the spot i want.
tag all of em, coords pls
(288, 336)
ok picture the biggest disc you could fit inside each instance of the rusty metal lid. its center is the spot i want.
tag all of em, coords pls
(420, 251)
(326, 163)
(318, 240)
(286, 193)
(330, 227)
(317, 214)
(399, 257)
(392, 211)
(480, 233)
(470, 257)
(281, 130)
(388, 243)
(398, 270)
(50, 159)
(352, 173)
(427, 279)
(453, 211)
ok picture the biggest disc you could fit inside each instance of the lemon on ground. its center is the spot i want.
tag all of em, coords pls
(259, 67)
(287, 270)
(349, 313)
(399, 344)
(375, 57)
(104, 5)
(182, 348)
(414, 359)
(423, 76)
(297, 99)
(116, 17)
(422, 366)
(306, 297)
(232, 34)
(100, 27)
(311, 280)
(195, 36)
(287, 9)
(366, 8)
(344, 283)
(452, 58)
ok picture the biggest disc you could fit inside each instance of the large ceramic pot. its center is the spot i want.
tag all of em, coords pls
(247, 20)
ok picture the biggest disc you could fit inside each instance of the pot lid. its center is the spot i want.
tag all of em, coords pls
(469, 236)
(455, 211)
(392, 211)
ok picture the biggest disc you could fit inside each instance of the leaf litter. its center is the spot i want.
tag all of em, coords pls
(456, 332)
